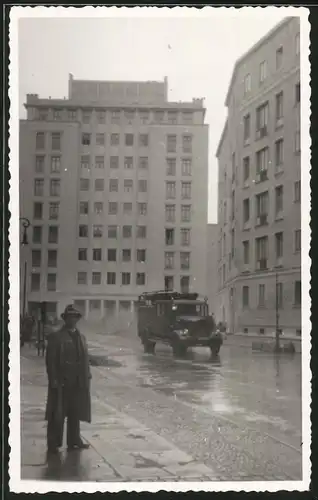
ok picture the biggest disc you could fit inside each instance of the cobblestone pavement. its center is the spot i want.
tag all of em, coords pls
(240, 417)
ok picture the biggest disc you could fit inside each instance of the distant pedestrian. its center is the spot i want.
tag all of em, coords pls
(69, 377)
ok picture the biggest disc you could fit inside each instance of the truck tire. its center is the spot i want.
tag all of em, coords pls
(215, 349)
(149, 347)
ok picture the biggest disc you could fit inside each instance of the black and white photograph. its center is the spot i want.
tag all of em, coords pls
(159, 310)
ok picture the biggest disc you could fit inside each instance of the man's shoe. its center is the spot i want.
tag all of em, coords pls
(78, 446)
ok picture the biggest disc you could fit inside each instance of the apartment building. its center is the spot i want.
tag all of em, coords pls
(259, 239)
(114, 182)
(212, 269)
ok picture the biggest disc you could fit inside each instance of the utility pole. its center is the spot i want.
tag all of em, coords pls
(25, 223)
(277, 346)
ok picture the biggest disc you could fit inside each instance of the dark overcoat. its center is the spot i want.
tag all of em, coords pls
(67, 376)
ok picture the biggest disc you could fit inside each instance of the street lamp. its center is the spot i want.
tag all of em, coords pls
(25, 223)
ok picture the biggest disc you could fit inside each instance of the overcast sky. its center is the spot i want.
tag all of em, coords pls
(197, 55)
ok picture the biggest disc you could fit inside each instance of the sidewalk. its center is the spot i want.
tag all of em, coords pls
(121, 448)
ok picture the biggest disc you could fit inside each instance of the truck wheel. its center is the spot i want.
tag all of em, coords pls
(214, 351)
(149, 347)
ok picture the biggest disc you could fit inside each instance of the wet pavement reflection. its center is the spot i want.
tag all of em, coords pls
(260, 390)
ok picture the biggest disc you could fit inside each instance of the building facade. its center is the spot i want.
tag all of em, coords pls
(212, 271)
(114, 182)
(259, 212)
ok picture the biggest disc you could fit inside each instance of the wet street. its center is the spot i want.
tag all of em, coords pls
(234, 418)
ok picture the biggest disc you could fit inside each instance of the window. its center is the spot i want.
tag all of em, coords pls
(81, 278)
(55, 164)
(127, 208)
(99, 184)
(86, 139)
(85, 161)
(112, 232)
(262, 71)
(246, 252)
(186, 166)
(38, 187)
(185, 213)
(51, 282)
(56, 114)
(142, 208)
(37, 234)
(129, 114)
(246, 210)
(279, 154)
(233, 205)
(143, 140)
(113, 185)
(94, 305)
(169, 260)
(115, 116)
(297, 293)
(97, 231)
(96, 278)
(114, 162)
(98, 207)
(187, 117)
(141, 255)
(279, 199)
(297, 142)
(245, 296)
(140, 279)
(43, 114)
(246, 127)
(279, 58)
(297, 44)
(233, 166)
(114, 139)
(101, 116)
(126, 256)
(170, 190)
(86, 115)
(186, 190)
(72, 114)
(99, 162)
(142, 186)
(261, 162)
(246, 168)
(127, 231)
(261, 295)
(185, 260)
(125, 278)
(83, 231)
(279, 295)
(84, 184)
(143, 162)
(171, 143)
(83, 207)
(128, 185)
(297, 192)
(261, 120)
(35, 282)
(141, 231)
(169, 283)
(129, 139)
(172, 117)
(232, 242)
(40, 140)
(111, 278)
(297, 240)
(169, 236)
(247, 84)
(159, 116)
(187, 143)
(279, 245)
(112, 255)
(39, 164)
(52, 258)
(55, 187)
(82, 254)
(185, 237)
(262, 252)
(184, 284)
(171, 166)
(36, 258)
(97, 254)
(279, 107)
(128, 163)
(297, 93)
(54, 210)
(112, 207)
(262, 204)
(144, 116)
(56, 141)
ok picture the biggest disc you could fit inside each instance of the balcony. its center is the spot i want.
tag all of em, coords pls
(261, 132)
(261, 264)
(261, 220)
(261, 176)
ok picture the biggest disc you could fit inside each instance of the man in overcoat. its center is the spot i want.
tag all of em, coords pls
(69, 375)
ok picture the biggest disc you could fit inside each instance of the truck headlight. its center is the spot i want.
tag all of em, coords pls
(182, 333)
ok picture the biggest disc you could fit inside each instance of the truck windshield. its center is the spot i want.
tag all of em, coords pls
(190, 309)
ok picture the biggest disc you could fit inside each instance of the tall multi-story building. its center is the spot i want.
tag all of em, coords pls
(114, 182)
(212, 269)
(259, 240)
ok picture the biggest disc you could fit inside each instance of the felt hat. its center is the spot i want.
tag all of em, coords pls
(71, 311)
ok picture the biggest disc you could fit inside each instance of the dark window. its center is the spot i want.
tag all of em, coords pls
(143, 162)
(127, 231)
(169, 237)
(246, 210)
(185, 284)
(126, 256)
(141, 231)
(40, 140)
(186, 190)
(86, 139)
(127, 208)
(141, 255)
(125, 278)
(51, 282)
(247, 127)
(245, 296)
(38, 210)
(83, 207)
(113, 185)
(96, 278)
(140, 279)
(55, 164)
(56, 141)
(114, 162)
(97, 254)
(129, 139)
(83, 231)
(37, 234)
(38, 187)
(98, 207)
(82, 278)
(279, 245)
(143, 140)
(97, 231)
(99, 184)
(84, 184)
(55, 187)
(171, 143)
(36, 258)
(246, 252)
(297, 293)
(54, 210)
(297, 93)
(187, 143)
(35, 282)
(52, 258)
(168, 283)
(128, 162)
(53, 234)
(142, 208)
(297, 192)
(39, 164)
(111, 278)
(99, 162)
(111, 255)
(82, 254)
(112, 232)
(112, 207)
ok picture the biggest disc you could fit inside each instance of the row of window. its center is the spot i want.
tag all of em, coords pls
(113, 208)
(96, 279)
(263, 72)
(83, 232)
(100, 115)
(279, 296)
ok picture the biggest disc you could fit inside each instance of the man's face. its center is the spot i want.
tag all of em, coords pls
(71, 321)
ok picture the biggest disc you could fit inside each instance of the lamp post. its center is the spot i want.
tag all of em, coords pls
(277, 346)
(25, 224)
